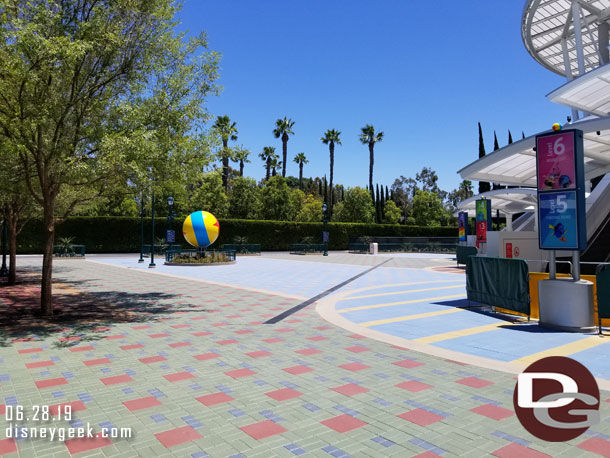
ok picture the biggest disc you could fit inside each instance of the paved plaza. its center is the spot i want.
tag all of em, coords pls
(389, 364)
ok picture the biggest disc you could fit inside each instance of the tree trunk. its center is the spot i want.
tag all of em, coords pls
(268, 169)
(284, 153)
(12, 249)
(225, 165)
(331, 147)
(300, 175)
(371, 162)
(46, 292)
(241, 168)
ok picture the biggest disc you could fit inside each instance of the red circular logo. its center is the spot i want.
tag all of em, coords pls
(556, 399)
(517, 251)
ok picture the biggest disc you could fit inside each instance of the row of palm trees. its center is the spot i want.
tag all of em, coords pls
(227, 130)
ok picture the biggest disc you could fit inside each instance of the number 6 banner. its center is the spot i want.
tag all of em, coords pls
(561, 193)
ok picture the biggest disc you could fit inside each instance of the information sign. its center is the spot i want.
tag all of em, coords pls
(463, 226)
(170, 236)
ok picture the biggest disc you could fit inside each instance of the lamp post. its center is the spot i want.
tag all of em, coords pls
(4, 270)
(152, 244)
(140, 200)
(170, 217)
(325, 234)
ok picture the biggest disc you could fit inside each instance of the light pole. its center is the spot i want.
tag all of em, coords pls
(170, 218)
(324, 233)
(152, 244)
(140, 200)
(4, 270)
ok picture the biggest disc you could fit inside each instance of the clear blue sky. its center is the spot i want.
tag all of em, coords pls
(423, 75)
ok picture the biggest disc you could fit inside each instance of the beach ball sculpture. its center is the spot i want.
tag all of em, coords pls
(200, 229)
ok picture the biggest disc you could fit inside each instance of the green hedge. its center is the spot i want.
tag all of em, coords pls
(122, 234)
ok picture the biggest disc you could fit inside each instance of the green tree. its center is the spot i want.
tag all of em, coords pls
(428, 209)
(241, 154)
(392, 213)
(357, 207)
(276, 199)
(226, 130)
(275, 164)
(94, 92)
(369, 137)
(211, 196)
(484, 186)
(463, 192)
(283, 128)
(301, 159)
(297, 200)
(244, 199)
(311, 210)
(403, 190)
(331, 138)
(268, 155)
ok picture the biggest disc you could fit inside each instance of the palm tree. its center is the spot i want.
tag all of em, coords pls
(331, 137)
(275, 163)
(369, 137)
(227, 131)
(267, 156)
(283, 128)
(300, 159)
(241, 154)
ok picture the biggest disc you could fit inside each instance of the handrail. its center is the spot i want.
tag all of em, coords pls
(546, 260)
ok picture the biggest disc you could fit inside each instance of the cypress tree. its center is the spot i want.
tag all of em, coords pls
(497, 147)
(522, 134)
(378, 206)
(483, 185)
(320, 188)
(387, 194)
(325, 190)
(510, 137)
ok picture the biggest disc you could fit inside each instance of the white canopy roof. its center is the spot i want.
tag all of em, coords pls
(515, 164)
(548, 24)
(508, 201)
(589, 92)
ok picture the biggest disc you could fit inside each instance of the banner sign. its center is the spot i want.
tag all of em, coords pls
(561, 191)
(170, 236)
(483, 210)
(463, 226)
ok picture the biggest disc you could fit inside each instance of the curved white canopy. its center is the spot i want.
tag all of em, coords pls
(508, 201)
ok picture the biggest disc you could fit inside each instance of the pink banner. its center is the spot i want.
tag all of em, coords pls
(555, 156)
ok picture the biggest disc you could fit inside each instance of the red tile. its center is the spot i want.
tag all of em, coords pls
(227, 342)
(408, 363)
(518, 451)
(131, 347)
(202, 333)
(351, 389)
(420, 417)
(118, 336)
(284, 394)
(358, 349)
(456, 362)
(258, 354)
(180, 344)
(354, 367)
(427, 455)
(158, 336)
(97, 362)
(492, 411)
(76, 406)
(177, 436)
(152, 359)
(178, 376)
(296, 370)
(29, 350)
(244, 331)
(308, 351)
(85, 444)
(317, 338)
(2, 409)
(206, 356)
(38, 364)
(239, 373)
(323, 328)
(210, 400)
(137, 328)
(102, 329)
(142, 403)
(413, 386)
(181, 326)
(284, 330)
(83, 348)
(343, 423)
(474, 382)
(68, 339)
(51, 382)
(220, 324)
(356, 336)
(596, 445)
(8, 446)
(277, 339)
(263, 429)
(116, 379)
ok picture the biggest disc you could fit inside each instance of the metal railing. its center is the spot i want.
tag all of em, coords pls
(304, 248)
(69, 251)
(243, 248)
(198, 253)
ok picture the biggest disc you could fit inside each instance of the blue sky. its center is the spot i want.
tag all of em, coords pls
(422, 75)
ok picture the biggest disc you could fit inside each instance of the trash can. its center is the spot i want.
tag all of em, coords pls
(374, 248)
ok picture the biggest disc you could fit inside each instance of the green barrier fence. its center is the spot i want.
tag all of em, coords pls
(603, 293)
(499, 282)
(463, 252)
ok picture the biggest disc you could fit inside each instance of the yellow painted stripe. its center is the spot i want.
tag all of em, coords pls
(390, 304)
(565, 350)
(66, 289)
(411, 317)
(407, 290)
(462, 332)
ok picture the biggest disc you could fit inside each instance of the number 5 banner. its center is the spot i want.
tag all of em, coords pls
(558, 221)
